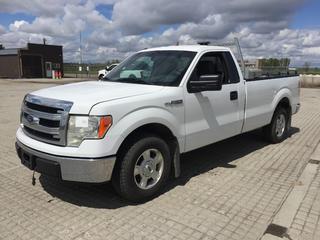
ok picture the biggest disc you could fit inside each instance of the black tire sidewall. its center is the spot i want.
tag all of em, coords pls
(127, 185)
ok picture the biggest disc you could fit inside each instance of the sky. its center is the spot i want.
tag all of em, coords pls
(114, 29)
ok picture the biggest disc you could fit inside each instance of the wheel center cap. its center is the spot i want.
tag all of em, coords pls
(147, 169)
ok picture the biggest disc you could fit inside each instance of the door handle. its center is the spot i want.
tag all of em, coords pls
(233, 95)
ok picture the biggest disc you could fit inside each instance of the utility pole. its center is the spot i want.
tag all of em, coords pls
(80, 53)
(80, 49)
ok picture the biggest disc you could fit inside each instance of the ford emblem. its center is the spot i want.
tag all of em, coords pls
(32, 119)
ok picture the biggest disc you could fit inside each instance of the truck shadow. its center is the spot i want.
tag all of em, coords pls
(221, 154)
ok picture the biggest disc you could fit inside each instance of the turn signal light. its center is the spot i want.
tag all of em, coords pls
(105, 124)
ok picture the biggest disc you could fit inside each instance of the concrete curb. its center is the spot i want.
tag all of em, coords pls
(316, 154)
(310, 81)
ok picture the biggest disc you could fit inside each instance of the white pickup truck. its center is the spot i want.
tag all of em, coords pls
(103, 72)
(132, 130)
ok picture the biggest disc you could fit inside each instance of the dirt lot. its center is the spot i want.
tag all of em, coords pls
(229, 190)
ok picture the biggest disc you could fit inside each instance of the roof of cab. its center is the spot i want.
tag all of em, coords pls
(192, 48)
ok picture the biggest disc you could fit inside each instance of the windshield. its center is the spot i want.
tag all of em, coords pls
(165, 68)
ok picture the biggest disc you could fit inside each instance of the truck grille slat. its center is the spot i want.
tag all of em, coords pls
(43, 108)
(41, 135)
(43, 115)
(40, 128)
(45, 119)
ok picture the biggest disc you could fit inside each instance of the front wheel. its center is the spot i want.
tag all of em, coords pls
(143, 169)
(277, 130)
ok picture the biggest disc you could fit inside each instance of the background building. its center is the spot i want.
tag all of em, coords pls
(34, 61)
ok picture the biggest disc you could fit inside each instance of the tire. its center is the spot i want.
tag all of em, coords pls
(101, 76)
(277, 130)
(140, 172)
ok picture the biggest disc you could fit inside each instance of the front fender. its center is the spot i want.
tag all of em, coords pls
(131, 113)
(130, 121)
(140, 117)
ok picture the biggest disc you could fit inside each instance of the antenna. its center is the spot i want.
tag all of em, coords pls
(236, 42)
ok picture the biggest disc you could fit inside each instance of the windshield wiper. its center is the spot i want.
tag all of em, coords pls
(105, 79)
(126, 80)
(131, 80)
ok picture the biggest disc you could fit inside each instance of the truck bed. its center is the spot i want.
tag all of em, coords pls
(262, 97)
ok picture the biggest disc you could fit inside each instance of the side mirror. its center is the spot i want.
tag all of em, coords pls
(206, 83)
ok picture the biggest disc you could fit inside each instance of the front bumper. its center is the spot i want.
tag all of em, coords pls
(91, 170)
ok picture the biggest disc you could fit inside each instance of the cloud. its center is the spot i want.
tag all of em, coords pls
(263, 27)
(34, 7)
(296, 44)
(139, 16)
(2, 29)
(20, 39)
(74, 18)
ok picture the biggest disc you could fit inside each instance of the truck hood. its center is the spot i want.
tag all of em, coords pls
(84, 95)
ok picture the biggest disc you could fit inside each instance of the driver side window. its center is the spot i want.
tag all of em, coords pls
(210, 64)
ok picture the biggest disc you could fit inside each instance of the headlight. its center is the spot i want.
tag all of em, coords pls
(87, 127)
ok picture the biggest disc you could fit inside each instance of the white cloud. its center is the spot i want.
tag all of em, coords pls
(2, 29)
(16, 25)
(48, 8)
(20, 39)
(138, 16)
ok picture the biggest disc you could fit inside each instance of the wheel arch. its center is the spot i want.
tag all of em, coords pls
(282, 98)
(285, 103)
(157, 129)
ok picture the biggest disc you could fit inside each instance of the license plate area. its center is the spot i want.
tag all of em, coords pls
(28, 160)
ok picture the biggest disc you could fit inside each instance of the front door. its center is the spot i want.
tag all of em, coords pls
(49, 69)
(214, 115)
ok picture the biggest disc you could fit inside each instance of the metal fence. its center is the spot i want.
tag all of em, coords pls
(83, 70)
(91, 70)
(309, 70)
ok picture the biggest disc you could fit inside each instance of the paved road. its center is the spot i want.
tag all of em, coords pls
(306, 222)
(229, 190)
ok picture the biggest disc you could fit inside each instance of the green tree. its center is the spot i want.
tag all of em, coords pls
(306, 67)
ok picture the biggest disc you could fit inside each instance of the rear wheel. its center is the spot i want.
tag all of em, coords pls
(277, 130)
(143, 169)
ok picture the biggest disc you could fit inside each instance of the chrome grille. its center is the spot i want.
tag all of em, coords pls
(45, 119)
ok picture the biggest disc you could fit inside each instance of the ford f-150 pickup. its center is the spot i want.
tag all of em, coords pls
(131, 128)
